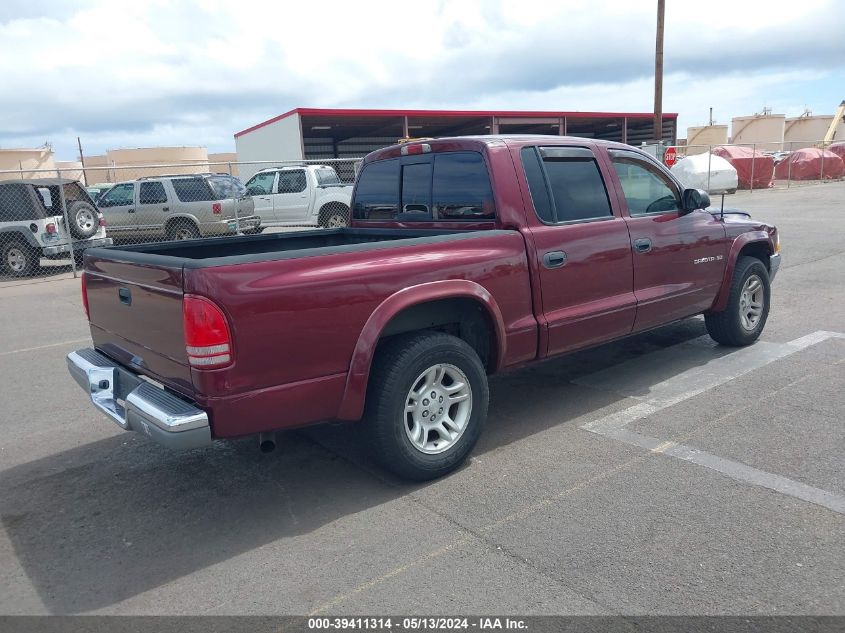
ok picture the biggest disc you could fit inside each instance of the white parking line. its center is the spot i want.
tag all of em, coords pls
(34, 349)
(637, 379)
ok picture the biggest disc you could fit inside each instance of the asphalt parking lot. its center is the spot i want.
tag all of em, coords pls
(657, 475)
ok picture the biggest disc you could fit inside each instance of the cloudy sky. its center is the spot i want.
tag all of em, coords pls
(193, 72)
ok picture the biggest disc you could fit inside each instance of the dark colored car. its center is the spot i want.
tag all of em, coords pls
(466, 256)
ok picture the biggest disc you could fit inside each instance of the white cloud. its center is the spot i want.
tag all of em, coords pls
(193, 72)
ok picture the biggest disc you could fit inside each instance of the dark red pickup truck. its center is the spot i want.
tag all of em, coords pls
(465, 257)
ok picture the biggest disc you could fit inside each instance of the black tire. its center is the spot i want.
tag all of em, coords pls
(84, 220)
(398, 364)
(182, 230)
(727, 327)
(334, 216)
(20, 259)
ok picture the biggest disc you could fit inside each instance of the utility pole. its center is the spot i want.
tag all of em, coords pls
(658, 74)
(711, 117)
(82, 161)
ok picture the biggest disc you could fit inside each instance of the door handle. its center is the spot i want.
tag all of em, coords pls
(554, 259)
(642, 245)
(130, 211)
(165, 208)
(125, 296)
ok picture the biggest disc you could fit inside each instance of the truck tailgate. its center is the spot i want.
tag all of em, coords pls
(135, 313)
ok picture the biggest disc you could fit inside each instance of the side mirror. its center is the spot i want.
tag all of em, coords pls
(695, 199)
(254, 190)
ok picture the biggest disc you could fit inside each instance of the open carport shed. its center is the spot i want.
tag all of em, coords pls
(319, 134)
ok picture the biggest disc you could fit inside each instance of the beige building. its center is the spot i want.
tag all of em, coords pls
(117, 165)
(70, 169)
(220, 162)
(808, 130)
(25, 162)
(764, 130)
(700, 138)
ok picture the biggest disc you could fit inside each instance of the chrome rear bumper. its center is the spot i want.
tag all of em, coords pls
(137, 405)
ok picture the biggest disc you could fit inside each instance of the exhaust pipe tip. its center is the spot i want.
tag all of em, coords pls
(267, 442)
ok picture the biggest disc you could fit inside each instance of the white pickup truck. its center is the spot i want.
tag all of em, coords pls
(300, 195)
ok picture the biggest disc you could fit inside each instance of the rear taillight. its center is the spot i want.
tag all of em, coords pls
(51, 228)
(207, 338)
(102, 221)
(217, 208)
(85, 296)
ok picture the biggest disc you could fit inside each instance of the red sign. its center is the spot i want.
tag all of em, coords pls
(670, 156)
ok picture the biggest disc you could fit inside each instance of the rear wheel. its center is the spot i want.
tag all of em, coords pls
(334, 216)
(743, 319)
(426, 404)
(182, 230)
(20, 259)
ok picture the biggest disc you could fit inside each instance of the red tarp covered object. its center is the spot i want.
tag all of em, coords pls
(808, 163)
(838, 149)
(742, 159)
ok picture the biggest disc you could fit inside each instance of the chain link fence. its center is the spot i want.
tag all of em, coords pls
(778, 165)
(49, 217)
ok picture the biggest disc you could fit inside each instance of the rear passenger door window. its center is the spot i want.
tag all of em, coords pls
(192, 190)
(292, 181)
(152, 193)
(566, 185)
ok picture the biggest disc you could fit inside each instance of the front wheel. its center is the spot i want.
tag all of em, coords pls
(743, 319)
(19, 259)
(426, 404)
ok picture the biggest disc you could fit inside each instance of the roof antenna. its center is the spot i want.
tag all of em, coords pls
(722, 217)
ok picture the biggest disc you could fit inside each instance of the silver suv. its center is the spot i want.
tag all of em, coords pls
(178, 208)
(32, 223)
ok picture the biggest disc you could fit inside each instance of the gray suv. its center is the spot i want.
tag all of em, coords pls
(178, 208)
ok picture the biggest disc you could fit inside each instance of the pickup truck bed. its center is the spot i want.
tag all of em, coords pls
(299, 306)
(213, 252)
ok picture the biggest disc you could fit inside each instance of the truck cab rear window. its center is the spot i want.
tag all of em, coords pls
(452, 186)
(377, 192)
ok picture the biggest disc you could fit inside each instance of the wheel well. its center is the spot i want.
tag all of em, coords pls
(14, 237)
(171, 222)
(465, 318)
(760, 250)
